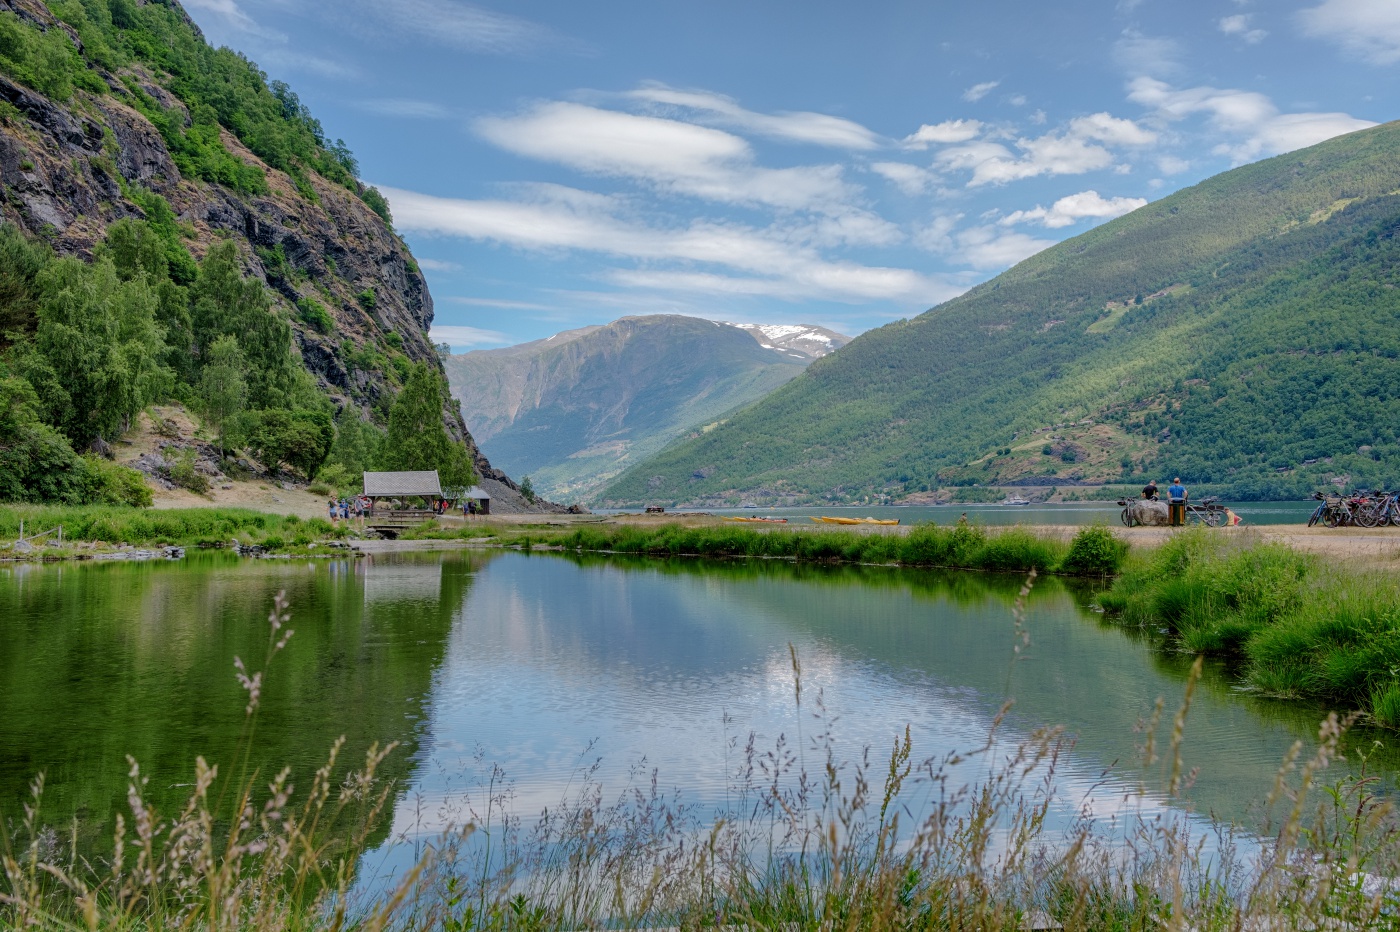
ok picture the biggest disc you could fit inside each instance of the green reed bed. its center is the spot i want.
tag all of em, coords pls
(810, 840)
(179, 526)
(1295, 625)
(1094, 551)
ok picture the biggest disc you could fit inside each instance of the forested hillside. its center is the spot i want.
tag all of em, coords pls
(175, 227)
(574, 410)
(1241, 333)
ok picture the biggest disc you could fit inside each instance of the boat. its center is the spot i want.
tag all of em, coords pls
(757, 520)
(1015, 500)
(848, 521)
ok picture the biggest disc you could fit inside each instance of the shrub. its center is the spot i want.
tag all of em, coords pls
(1094, 552)
(107, 483)
(314, 313)
(367, 299)
(184, 474)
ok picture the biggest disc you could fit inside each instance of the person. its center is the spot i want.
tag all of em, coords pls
(1149, 491)
(1176, 503)
(357, 511)
(331, 511)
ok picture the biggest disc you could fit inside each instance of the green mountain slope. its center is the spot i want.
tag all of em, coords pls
(1241, 333)
(576, 409)
(173, 226)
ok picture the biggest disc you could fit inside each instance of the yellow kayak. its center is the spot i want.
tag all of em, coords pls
(757, 520)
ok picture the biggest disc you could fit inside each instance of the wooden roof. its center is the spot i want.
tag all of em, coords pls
(395, 484)
(477, 492)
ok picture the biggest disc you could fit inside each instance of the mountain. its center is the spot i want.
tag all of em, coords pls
(575, 409)
(1240, 333)
(796, 339)
(128, 143)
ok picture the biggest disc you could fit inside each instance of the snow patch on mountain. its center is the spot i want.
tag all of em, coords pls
(801, 340)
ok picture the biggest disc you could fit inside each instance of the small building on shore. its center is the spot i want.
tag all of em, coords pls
(403, 486)
(477, 500)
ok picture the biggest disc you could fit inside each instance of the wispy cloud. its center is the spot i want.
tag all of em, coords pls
(1252, 119)
(404, 108)
(1238, 25)
(672, 155)
(814, 128)
(451, 23)
(1082, 145)
(498, 302)
(1139, 54)
(438, 265)
(984, 247)
(1072, 208)
(911, 179)
(977, 91)
(457, 336)
(233, 14)
(940, 134)
(777, 262)
(1369, 28)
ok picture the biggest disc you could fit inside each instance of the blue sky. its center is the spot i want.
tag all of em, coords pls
(555, 164)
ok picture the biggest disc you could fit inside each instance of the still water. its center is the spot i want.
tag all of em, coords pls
(1070, 513)
(545, 664)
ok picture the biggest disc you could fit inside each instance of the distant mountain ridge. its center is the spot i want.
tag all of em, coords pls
(575, 409)
(1240, 333)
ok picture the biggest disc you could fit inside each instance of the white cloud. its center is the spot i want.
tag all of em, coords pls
(984, 247)
(977, 91)
(1078, 148)
(498, 302)
(780, 258)
(815, 128)
(1171, 165)
(1071, 209)
(1250, 116)
(455, 336)
(1017, 100)
(233, 14)
(911, 179)
(1369, 28)
(1238, 25)
(945, 133)
(679, 157)
(451, 23)
(437, 265)
(1138, 54)
(988, 248)
(403, 107)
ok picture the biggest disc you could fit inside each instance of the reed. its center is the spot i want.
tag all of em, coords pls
(845, 846)
(177, 526)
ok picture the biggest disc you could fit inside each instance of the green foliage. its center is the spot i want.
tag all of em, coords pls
(182, 471)
(1094, 552)
(527, 489)
(379, 204)
(223, 392)
(314, 313)
(301, 439)
(1262, 359)
(417, 438)
(45, 60)
(107, 483)
(225, 303)
(21, 261)
(96, 354)
(357, 446)
(36, 462)
(367, 299)
(115, 524)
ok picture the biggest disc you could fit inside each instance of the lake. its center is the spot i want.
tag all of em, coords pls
(545, 665)
(1069, 513)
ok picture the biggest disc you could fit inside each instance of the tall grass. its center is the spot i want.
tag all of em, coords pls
(846, 845)
(963, 546)
(1294, 625)
(113, 524)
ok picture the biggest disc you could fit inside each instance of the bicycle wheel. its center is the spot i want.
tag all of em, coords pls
(1316, 516)
(1213, 518)
(1368, 514)
(1331, 517)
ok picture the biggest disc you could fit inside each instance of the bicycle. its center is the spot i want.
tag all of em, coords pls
(1208, 511)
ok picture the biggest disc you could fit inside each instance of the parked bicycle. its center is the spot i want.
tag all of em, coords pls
(1207, 511)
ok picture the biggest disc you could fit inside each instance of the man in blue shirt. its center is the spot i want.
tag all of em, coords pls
(1176, 503)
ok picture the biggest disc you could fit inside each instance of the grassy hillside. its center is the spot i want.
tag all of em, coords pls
(575, 410)
(1239, 333)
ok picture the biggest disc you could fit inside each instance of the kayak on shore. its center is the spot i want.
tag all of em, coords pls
(826, 520)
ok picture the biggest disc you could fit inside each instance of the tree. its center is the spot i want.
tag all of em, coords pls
(36, 462)
(527, 489)
(301, 439)
(98, 338)
(227, 304)
(418, 439)
(357, 444)
(223, 392)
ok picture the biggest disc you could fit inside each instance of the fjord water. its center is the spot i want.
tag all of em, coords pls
(544, 664)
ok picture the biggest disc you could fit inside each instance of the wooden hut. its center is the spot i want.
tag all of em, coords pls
(479, 501)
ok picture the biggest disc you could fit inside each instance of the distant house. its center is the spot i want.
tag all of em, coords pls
(403, 485)
(477, 496)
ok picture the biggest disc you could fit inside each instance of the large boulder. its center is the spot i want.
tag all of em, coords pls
(1151, 514)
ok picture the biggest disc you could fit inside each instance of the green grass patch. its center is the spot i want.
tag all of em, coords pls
(112, 524)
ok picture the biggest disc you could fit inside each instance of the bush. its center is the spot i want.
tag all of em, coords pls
(184, 474)
(314, 313)
(106, 483)
(1094, 552)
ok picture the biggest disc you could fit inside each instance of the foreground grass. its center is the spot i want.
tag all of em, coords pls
(843, 847)
(1293, 624)
(180, 526)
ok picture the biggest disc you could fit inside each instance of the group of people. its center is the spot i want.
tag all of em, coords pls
(353, 508)
(1176, 500)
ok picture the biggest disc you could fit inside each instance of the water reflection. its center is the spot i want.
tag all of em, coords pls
(547, 664)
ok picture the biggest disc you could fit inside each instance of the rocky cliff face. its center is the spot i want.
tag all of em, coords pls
(68, 170)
